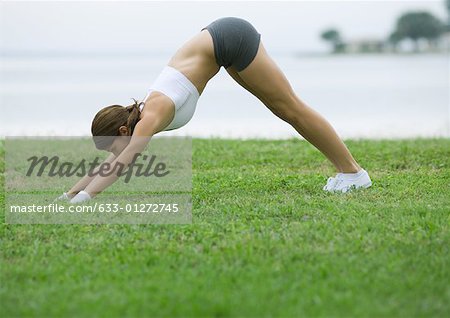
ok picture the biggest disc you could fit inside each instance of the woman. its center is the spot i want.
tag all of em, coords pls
(234, 44)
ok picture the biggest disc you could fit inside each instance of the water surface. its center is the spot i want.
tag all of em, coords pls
(374, 96)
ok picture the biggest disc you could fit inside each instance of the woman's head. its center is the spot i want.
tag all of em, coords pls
(114, 120)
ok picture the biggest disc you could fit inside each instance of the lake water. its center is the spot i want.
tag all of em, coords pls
(365, 96)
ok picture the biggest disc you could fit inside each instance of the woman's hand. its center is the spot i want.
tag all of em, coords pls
(81, 197)
(83, 182)
(63, 197)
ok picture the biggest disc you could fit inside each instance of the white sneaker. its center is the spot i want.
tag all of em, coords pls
(345, 182)
(331, 183)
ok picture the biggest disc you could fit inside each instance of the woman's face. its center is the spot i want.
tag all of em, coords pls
(119, 144)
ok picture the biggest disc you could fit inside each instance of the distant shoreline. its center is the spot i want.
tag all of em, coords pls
(328, 54)
(161, 53)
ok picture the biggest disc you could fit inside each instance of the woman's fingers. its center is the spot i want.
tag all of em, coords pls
(82, 196)
(63, 197)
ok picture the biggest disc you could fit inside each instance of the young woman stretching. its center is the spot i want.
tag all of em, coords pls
(234, 44)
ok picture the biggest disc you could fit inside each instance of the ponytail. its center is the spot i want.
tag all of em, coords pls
(109, 119)
(134, 114)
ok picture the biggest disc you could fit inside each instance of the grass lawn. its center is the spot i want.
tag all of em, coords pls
(266, 241)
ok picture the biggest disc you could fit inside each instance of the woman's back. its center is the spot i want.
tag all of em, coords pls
(195, 59)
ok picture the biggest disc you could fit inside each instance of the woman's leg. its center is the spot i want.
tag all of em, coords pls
(267, 82)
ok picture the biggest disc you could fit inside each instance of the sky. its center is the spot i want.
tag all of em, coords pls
(127, 26)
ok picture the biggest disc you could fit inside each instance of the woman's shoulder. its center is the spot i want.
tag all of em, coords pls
(157, 112)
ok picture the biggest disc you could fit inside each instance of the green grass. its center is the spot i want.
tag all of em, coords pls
(266, 241)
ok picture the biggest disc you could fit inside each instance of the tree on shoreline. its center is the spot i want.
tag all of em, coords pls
(395, 38)
(447, 4)
(334, 37)
(416, 26)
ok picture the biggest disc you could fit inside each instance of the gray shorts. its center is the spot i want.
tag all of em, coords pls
(235, 40)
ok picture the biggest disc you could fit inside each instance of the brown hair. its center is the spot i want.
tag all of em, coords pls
(109, 119)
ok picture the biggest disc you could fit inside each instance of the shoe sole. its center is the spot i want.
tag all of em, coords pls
(364, 186)
(353, 187)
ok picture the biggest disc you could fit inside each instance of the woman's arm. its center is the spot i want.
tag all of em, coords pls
(108, 177)
(83, 182)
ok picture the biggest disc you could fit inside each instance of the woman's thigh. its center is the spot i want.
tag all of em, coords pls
(265, 80)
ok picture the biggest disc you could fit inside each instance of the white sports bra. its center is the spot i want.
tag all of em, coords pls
(181, 91)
